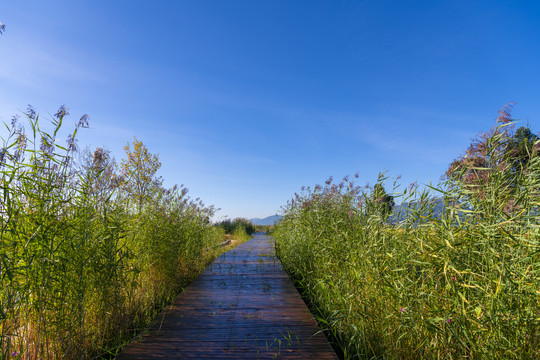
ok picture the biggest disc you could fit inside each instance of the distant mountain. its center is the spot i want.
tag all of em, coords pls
(270, 220)
(400, 212)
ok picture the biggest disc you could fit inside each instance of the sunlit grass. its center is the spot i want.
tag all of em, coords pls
(461, 284)
(81, 268)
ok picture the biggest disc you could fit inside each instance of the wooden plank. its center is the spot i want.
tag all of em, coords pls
(243, 306)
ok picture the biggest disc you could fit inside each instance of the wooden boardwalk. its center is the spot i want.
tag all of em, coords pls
(243, 306)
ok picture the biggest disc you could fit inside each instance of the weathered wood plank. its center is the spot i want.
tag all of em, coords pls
(243, 306)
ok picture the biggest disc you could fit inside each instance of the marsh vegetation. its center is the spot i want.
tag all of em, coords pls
(90, 250)
(463, 282)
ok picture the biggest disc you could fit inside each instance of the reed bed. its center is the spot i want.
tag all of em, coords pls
(461, 283)
(85, 264)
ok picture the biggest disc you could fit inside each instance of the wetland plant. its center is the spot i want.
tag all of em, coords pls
(458, 283)
(85, 260)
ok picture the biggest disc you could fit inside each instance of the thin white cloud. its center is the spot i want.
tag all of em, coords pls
(33, 65)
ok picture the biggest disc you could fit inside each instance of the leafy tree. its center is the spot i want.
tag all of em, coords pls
(385, 202)
(139, 171)
(521, 148)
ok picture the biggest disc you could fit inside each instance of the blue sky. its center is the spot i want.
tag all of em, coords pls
(247, 101)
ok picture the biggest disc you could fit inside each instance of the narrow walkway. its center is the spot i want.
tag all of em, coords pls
(243, 306)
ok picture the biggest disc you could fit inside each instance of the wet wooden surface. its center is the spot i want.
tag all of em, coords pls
(243, 306)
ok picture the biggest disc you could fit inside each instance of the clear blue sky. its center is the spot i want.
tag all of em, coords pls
(247, 101)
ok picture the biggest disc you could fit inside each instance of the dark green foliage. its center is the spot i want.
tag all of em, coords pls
(521, 148)
(385, 201)
(226, 225)
(230, 226)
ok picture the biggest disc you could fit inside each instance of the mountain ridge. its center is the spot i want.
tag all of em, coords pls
(269, 220)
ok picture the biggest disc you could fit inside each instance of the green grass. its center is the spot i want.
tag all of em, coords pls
(463, 285)
(82, 269)
(240, 234)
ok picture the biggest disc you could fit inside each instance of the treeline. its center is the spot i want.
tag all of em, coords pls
(240, 229)
(90, 250)
(458, 283)
(238, 224)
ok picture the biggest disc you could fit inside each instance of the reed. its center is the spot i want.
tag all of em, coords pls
(458, 283)
(81, 268)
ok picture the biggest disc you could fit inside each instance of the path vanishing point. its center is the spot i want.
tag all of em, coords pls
(243, 306)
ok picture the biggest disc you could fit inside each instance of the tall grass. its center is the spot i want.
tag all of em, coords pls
(81, 270)
(464, 283)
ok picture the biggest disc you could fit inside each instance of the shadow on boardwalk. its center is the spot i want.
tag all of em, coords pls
(243, 306)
